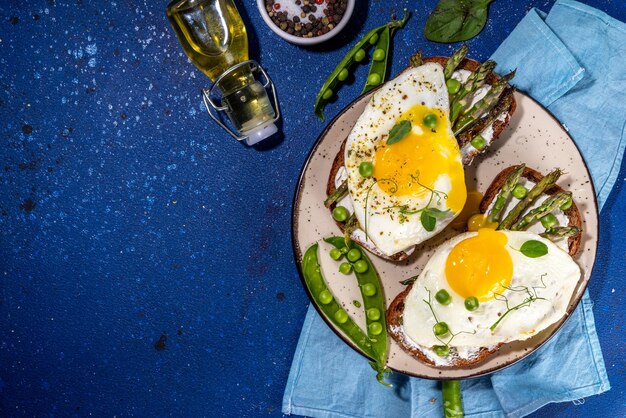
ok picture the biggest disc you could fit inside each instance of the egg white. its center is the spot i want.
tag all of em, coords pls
(423, 85)
(553, 277)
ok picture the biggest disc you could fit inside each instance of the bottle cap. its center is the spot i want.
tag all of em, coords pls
(261, 132)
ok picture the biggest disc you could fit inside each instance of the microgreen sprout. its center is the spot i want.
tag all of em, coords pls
(532, 297)
(445, 344)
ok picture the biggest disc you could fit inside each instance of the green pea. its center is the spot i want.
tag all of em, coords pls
(373, 39)
(359, 55)
(361, 266)
(354, 254)
(430, 120)
(519, 192)
(366, 169)
(325, 297)
(373, 314)
(369, 289)
(374, 79)
(453, 86)
(378, 55)
(340, 214)
(345, 268)
(341, 316)
(567, 205)
(471, 303)
(443, 297)
(343, 74)
(336, 254)
(344, 250)
(549, 220)
(327, 94)
(375, 328)
(441, 350)
(440, 328)
(478, 142)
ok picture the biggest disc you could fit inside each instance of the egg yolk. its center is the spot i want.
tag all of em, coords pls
(414, 163)
(480, 266)
(469, 210)
(478, 221)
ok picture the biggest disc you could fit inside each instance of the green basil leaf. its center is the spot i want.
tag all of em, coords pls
(399, 131)
(436, 213)
(428, 222)
(456, 20)
(533, 248)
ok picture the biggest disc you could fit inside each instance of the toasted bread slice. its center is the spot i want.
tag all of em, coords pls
(395, 329)
(534, 176)
(498, 127)
(396, 309)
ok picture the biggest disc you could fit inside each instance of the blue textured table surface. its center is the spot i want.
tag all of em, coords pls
(146, 266)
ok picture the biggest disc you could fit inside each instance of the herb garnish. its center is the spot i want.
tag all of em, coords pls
(399, 131)
(456, 20)
(532, 297)
(367, 196)
(533, 248)
(452, 335)
(428, 215)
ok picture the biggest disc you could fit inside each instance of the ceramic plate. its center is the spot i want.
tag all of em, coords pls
(533, 136)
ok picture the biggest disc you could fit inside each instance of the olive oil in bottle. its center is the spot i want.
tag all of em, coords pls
(214, 38)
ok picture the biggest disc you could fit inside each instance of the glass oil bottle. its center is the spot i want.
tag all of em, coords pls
(214, 38)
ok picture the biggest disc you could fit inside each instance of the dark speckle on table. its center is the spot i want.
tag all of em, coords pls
(159, 345)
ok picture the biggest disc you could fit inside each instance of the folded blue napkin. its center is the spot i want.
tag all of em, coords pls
(572, 60)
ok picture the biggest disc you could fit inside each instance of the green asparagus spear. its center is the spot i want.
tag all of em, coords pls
(543, 185)
(475, 128)
(561, 231)
(548, 205)
(350, 225)
(486, 103)
(455, 60)
(473, 83)
(451, 399)
(338, 194)
(505, 192)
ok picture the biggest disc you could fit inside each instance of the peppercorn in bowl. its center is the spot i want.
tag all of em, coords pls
(306, 22)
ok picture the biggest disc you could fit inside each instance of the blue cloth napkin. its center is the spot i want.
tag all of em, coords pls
(572, 60)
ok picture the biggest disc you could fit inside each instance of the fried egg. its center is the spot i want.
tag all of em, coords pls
(518, 296)
(422, 171)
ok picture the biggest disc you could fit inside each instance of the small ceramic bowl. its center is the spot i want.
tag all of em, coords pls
(306, 41)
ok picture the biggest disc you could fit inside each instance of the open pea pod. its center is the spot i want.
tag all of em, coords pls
(380, 58)
(341, 71)
(374, 305)
(326, 302)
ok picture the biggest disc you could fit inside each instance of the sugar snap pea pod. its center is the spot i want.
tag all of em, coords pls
(374, 305)
(455, 60)
(543, 185)
(451, 399)
(334, 78)
(550, 204)
(509, 184)
(378, 66)
(326, 302)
